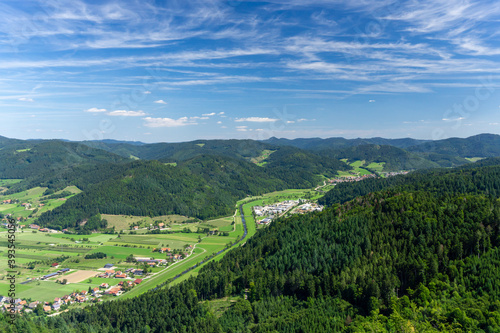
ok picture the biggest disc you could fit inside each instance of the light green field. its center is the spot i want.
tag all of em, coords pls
(379, 167)
(7, 182)
(260, 160)
(474, 159)
(123, 222)
(357, 169)
(35, 197)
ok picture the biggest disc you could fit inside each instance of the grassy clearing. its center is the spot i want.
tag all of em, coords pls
(358, 169)
(470, 159)
(39, 203)
(8, 182)
(260, 160)
(123, 222)
(378, 167)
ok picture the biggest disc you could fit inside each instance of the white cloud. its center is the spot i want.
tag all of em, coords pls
(448, 119)
(95, 110)
(290, 121)
(127, 113)
(160, 101)
(221, 113)
(371, 101)
(147, 92)
(168, 122)
(257, 119)
(209, 114)
(25, 99)
(219, 122)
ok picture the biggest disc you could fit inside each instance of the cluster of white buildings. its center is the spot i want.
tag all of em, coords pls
(275, 209)
(309, 207)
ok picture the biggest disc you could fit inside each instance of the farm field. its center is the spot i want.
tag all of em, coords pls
(358, 169)
(42, 249)
(123, 222)
(39, 203)
(37, 251)
(378, 167)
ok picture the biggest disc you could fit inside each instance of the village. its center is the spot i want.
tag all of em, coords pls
(129, 278)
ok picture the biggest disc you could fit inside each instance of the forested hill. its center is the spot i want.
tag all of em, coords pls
(341, 143)
(482, 145)
(393, 158)
(397, 261)
(176, 152)
(203, 187)
(29, 159)
(482, 178)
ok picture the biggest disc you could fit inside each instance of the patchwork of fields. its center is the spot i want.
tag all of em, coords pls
(37, 252)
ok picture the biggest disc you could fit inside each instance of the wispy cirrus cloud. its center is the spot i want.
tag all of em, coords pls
(160, 101)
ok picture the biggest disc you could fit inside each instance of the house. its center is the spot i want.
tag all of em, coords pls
(104, 285)
(136, 227)
(55, 264)
(161, 224)
(137, 281)
(121, 276)
(165, 249)
(23, 303)
(110, 271)
(46, 308)
(108, 265)
(138, 272)
(56, 306)
(33, 305)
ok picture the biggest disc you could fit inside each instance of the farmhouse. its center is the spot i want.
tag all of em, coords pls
(49, 275)
(33, 305)
(108, 265)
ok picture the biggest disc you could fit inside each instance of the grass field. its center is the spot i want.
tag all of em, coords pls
(123, 222)
(7, 182)
(44, 248)
(470, 159)
(358, 169)
(378, 167)
(34, 196)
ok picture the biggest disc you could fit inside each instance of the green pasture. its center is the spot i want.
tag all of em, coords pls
(378, 167)
(123, 222)
(7, 182)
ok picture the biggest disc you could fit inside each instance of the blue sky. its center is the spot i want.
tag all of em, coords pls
(179, 70)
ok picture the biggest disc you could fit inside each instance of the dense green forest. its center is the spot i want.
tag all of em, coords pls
(49, 158)
(402, 259)
(474, 178)
(205, 186)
